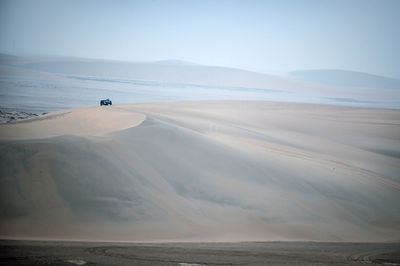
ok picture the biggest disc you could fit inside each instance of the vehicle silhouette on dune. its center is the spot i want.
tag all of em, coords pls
(105, 102)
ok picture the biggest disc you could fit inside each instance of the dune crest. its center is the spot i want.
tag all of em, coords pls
(86, 121)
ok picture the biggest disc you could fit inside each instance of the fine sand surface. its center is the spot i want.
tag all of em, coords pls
(194, 254)
(203, 171)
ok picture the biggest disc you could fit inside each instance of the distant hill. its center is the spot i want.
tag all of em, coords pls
(22, 73)
(170, 71)
(345, 78)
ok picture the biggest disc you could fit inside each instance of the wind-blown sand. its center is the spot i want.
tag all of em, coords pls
(215, 171)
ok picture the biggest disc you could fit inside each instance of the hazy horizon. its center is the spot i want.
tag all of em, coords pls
(174, 61)
(262, 36)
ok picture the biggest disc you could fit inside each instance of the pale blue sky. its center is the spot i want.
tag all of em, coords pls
(265, 36)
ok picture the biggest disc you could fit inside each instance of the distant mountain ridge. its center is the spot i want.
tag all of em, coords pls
(346, 78)
(173, 71)
(313, 86)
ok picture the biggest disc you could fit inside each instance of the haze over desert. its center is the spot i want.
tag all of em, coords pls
(229, 132)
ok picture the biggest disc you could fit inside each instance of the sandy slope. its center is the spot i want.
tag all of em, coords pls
(95, 120)
(203, 171)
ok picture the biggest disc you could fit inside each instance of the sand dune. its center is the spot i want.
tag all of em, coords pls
(203, 171)
(95, 120)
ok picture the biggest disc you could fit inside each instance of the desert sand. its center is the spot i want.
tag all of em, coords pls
(88, 121)
(196, 254)
(203, 171)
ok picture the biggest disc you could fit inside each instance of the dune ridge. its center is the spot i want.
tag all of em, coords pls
(86, 121)
(203, 171)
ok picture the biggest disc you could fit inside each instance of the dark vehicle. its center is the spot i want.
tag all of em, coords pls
(105, 102)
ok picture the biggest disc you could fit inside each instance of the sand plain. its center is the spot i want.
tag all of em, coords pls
(203, 171)
(194, 254)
